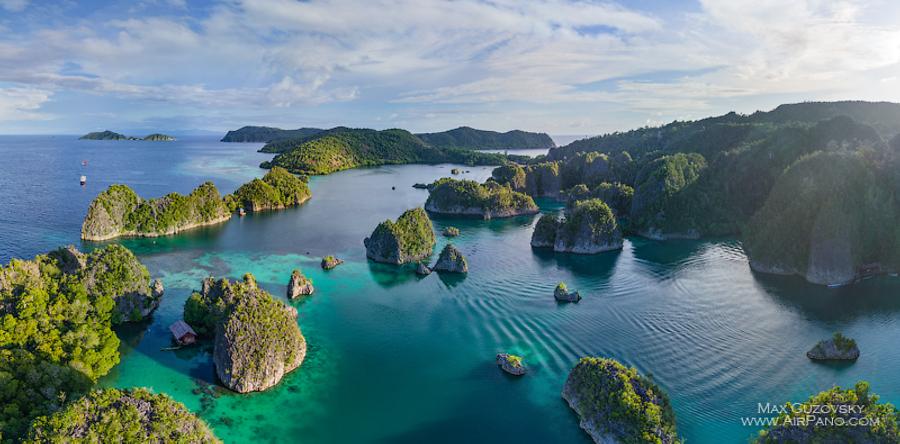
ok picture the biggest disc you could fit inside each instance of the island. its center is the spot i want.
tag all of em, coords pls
(277, 190)
(114, 415)
(451, 260)
(256, 337)
(806, 187)
(473, 139)
(299, 285)
(410, 239)
(119, 211)
(157, 137)
(469, 198)
(838, 348)
(266, 134)
(590, 227)
(74, 298)
(110, 135)
(818, 419)
(616, 404)
(344, 148)
(329, 262)
(562, 294)
(106, 135)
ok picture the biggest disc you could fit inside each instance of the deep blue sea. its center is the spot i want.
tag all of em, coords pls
(397, 358)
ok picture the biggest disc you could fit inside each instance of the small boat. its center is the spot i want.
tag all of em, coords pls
(83, 180)
(84, 163)
(241, 212)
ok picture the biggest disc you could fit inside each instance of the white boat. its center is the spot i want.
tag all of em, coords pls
(83, 180)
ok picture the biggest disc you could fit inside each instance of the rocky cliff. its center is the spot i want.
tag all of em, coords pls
(616, 404)
(119, 211)
(409, 239)
(588, 228)
(451, 260)
(256, 337)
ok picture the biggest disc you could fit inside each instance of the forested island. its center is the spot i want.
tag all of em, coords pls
(344, 148)
(110, 135)
(119, 211)
(266, 134)
(469, 198)
(465, 137)
(810, 188)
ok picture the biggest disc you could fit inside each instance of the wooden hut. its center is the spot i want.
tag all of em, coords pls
(183, 333)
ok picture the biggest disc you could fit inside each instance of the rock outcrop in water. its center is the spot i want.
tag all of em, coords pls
(119, 211)
(469, 198)
(422, 269)
(113, 415)
(299, 285)
(278, 189)
(838, 348)
(256, 337)
(409, 239)
(157, 137)
(562, 294)
(451, 260)
(450, 232)
(616, 404)
(511, 364)
(588, 228)
(836, 415)
(329, 262)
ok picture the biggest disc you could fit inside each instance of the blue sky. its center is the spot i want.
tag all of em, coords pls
(558, 66)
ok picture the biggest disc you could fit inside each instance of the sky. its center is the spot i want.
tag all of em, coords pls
(555, 66)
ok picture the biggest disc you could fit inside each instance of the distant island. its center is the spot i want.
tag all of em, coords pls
(266, 134)
(465, 137)
(111, 135)
(461, 138)
(344, 148)
(810, 188)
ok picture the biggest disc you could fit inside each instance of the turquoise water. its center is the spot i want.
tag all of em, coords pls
(398, 358)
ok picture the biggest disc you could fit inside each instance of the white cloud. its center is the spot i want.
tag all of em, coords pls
(22, 103)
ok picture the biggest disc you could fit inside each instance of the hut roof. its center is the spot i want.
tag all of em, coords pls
(180, 328)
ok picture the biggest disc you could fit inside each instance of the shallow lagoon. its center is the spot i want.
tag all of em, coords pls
(398, 358)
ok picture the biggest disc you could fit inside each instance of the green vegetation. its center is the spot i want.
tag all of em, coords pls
(656, 184)
(467, 197)
(473, 139)
(343, 148)
(112, 415)
(118, 211)
(590, 225)
(510, 174)
(450, 232)
(56, 313)
(256, 335)
(616, 400)
(409, 239)
(842, 342)
(277, 189)
(515, 361)
(544, 235)
(562, 287)
(836, 415)
(106, 135)
(267, 134)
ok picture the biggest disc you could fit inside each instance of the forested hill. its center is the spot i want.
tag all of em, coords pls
(721, 133)
(267, 134)
(343, 148)
(470, 138)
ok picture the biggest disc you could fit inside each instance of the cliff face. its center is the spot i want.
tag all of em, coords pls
(256, 338)
(618, 405)
(469, 198)
(544, 235)
(409, 239)
(112, 415)
(118, 211)
(451, 260)
(830, 218)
